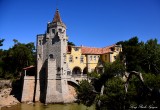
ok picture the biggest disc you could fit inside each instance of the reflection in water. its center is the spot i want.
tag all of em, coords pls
(40, 106)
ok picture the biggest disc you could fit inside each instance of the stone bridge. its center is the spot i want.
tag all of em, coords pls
(76, 78)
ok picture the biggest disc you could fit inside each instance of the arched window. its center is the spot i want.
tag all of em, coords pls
(51, 56)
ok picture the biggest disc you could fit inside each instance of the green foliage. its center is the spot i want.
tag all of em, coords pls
(140, 56)
(93, 75)
(16, 58)
(151, 57)
(1, 42)
(151, 80)
(144, 94)
(113, 97)
(71, 43)
(85, 93)
(117, 68)
(132, 52)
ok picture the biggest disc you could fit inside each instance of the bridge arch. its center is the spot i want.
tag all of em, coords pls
(73, 83)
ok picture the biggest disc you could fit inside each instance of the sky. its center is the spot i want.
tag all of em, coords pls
(94, 23)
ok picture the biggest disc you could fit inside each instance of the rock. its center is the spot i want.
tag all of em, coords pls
(30, 103)
(6, 99)
(8, 106)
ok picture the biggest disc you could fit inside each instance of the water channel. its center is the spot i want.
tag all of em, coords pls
(40, 106)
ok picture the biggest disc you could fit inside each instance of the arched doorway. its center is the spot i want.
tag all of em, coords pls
(76, 71)
(85, 71)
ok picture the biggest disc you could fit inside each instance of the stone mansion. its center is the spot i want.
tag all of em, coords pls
(60, 64)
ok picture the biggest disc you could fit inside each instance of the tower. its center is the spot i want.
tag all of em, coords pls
(51, 78)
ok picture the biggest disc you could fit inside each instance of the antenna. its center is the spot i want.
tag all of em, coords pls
(57, 4)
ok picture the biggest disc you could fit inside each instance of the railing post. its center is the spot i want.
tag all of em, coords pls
(25, 72)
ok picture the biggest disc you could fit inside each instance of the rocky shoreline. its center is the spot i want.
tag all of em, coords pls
(6, 99)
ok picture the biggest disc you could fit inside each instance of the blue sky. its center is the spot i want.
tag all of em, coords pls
(96, 23)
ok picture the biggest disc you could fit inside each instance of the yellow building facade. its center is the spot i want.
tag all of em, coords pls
(81, 59)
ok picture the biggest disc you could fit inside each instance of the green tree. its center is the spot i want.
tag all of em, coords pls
(140, 56)
(1, 56)
(17, 57)
(113, 97)
(1, 42)
(117, 68)
(132, 50)
(71, 43)
(85, 93)
(151, 57)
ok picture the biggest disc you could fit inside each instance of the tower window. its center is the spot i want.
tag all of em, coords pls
(40, 42)
(60, 30)
(64, 55)
(53, 31)
(51, 56)
(39, 55)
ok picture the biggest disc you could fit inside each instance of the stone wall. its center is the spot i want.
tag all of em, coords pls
(28, 89)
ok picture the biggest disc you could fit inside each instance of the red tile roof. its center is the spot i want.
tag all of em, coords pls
(29, 67)
(93, 50)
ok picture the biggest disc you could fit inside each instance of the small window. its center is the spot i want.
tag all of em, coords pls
(81, 59)
(64, 55)
(112, 48)
(68, 72)
(90, 57)
(53, 31)
(76, 48)
(70, 58)
(115, 57)
(51, 56)
(40, 42)
(76, 57)
(60, 30)
(105, 57)
(94, 58)
(117, 49)
(39, 55)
